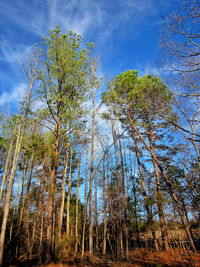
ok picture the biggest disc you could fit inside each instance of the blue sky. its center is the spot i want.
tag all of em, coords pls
(125, 34)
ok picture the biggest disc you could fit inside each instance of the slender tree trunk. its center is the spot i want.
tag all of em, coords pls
(7, 181)
(120, 245)
(69, 192)
(149, 215)
(33, 235)
(96, 212)
(25, 203)
(77, 214)
(126, 171)
(15, 198)
(159, 196)
(104, 209)
(8, 159)
(50, 209)
(135, 210)
(20, 202)
(52, 180)
(53, 228)
(85, 206)
(62, 204)
(91, 179)
(112, 216)
(9, 193)
(42, 203)
(32, 71)
(22, 186)
(171, 189)
(123, 194)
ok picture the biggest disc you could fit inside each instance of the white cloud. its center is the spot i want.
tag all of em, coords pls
(14, 96)
(13, 53)
(77, 15)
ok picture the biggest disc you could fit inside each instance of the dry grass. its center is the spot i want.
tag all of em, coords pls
(173, 258)
(138, 258)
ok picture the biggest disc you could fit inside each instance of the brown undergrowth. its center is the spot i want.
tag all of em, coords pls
(138, 257)
(173, 258)
(142, 257)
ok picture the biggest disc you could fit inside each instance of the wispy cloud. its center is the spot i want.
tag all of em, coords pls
(109, 24)
(77, 15)
(103, 20)
(71, 15)
(14, 96)
(13, 52)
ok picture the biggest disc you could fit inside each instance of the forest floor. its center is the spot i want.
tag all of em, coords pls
(142, 257)
(138, 258)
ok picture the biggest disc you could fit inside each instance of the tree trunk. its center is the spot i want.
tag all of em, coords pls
(159, 194)
(33, 235)
(120, 241)
(52, 180)
(22, 186)
(69, 192)
(135, 210)
(171, 189)
(33, 63)
(77, 201)
(123, 194)
(8, 159)
(9, 193)
(91, 179)
(126, 171)
(85, 206)
(7, 181)
(42, 203)
(62, 204)
(25, 203)
(112, 217)
(96, 212)
(104, 209)
(149, 215)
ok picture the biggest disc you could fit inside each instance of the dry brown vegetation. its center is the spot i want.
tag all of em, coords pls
(137, 257)
(142, 257)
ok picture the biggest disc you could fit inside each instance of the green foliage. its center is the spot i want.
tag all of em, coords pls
(121, 89)
(64, 74)
(153, 95)
(144, 94)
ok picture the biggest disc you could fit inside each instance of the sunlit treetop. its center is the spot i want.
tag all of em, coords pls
(147, 94)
